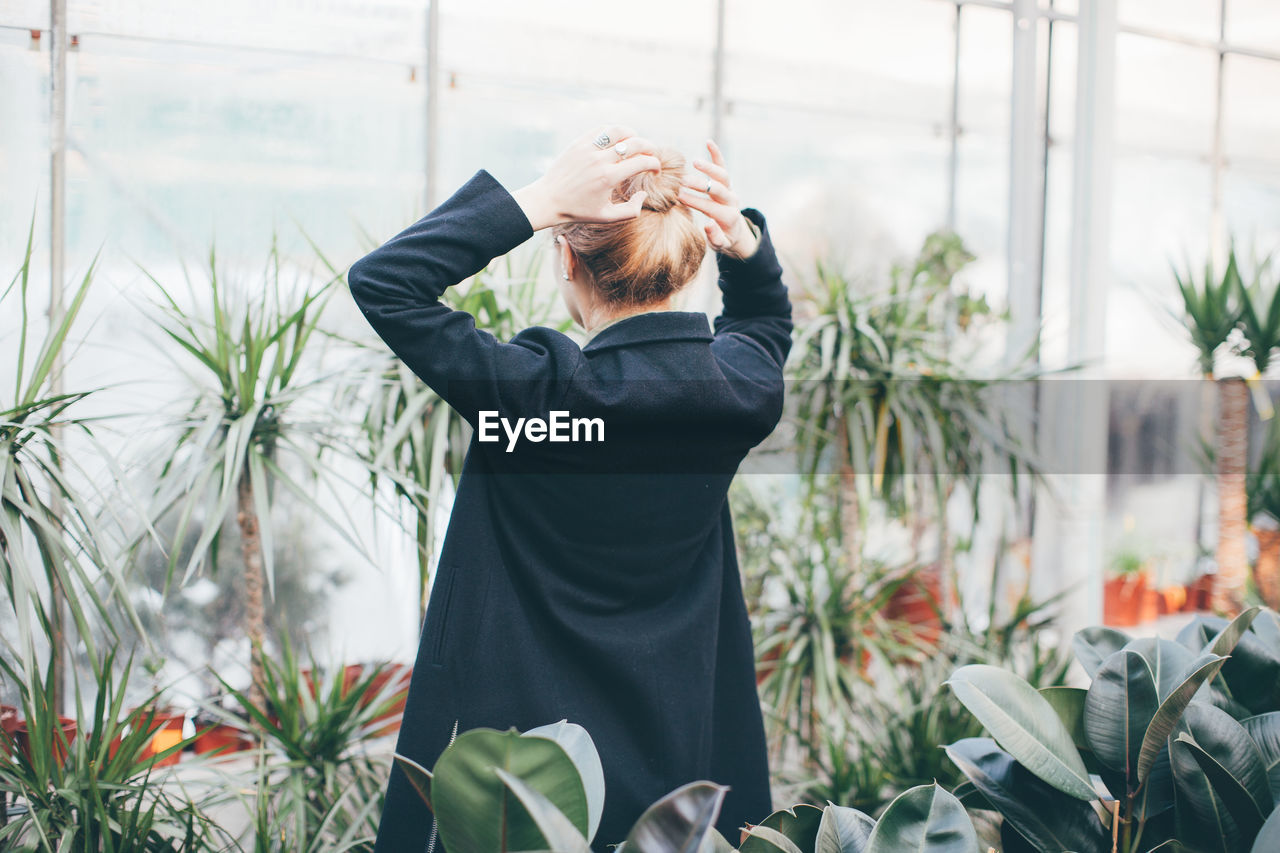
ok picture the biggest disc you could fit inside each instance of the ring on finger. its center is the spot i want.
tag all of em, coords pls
(601, 141)
(708, 186)
(621, 150)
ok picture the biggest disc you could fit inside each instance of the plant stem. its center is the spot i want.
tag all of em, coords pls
(254, 614)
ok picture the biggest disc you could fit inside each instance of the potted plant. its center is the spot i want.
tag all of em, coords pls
(1264, 514)
(216, 736)
(1127, 599)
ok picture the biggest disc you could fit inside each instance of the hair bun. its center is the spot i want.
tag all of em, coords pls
(645, 259)
(662, 188)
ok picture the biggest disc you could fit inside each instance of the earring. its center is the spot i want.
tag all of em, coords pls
(565, 275)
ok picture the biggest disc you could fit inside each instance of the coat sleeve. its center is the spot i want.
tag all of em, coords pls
(755, 298)
(398, 287)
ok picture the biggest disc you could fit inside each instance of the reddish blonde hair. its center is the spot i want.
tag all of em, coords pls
(646, 259)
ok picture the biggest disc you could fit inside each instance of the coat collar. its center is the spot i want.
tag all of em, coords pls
(655, 326)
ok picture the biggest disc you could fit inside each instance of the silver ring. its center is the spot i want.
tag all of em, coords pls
(601, 141)
(621, 149)
(708, 186)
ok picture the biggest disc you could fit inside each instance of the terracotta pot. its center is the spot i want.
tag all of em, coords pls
(8, 724)
(397, 675)
(221, 738)
(1199, 594)
(917, 603)
(23, 738)
(350, 675)
(166, 731)
(1266, 572)
(1172, 599)
(1125, 601)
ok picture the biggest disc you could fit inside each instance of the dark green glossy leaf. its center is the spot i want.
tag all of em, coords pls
(798, 824)
(1265, 731)
(1156, 738)
(560, 833)
(1096, 644)
(843, 830)
(678, 822)
(1069, 703)
(1045, 816)
(1169, 662)
(476, 811)
(1268, 840)
(1118, 708)
(1024, 723)
(419, 777)
(923, 818)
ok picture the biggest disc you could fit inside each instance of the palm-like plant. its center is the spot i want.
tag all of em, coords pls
(1212, 310)
(883, 386)
(255, 394)
(52, 547)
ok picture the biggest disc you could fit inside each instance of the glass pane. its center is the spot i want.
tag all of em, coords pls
(178, 146)
(854, 191)
(986, 70)
(24, 148)
(390, 30)
(31, 14)
(1195, 18)
(663, 47)
(1250, 109)
(1254, 23)
(864, 59)
(1251, 206)
(1165, 96)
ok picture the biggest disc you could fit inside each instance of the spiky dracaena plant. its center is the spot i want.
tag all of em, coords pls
(54, 558)
(256, 395)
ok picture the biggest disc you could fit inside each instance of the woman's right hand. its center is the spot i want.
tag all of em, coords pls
(579, 185)
(729, 232)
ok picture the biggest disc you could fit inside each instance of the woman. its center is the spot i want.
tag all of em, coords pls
(595, 579)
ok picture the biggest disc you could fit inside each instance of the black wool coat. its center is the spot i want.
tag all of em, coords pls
(590, 581)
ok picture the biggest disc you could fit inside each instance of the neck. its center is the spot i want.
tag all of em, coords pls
(604, 314)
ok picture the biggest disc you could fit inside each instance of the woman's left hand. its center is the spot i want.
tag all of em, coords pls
(728, 231)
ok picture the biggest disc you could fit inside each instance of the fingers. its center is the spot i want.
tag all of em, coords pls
(615, 132)
(721, 214)
(717, 156)
(630, 165)
(716, 237)
(628, 209)
(717, 191)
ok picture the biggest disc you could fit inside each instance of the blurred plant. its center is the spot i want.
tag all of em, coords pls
(902, 713)
(324, 788)
(256, 392)
(1211, 311)
(886, 387)
(415, 440)
(1262, 486)
(210, 612)
(91, 783)
(1176, 772)
(52, 544)
(819, 624)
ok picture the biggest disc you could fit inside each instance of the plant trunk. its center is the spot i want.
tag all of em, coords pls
(1266, 574)
(254, 614)
(850, 523)
(1233, 522)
